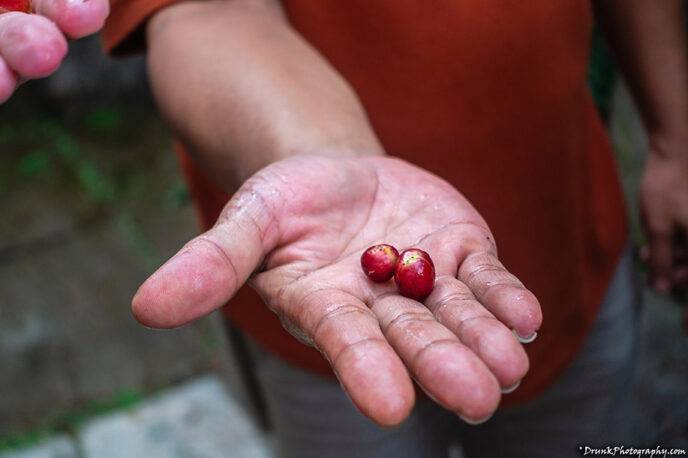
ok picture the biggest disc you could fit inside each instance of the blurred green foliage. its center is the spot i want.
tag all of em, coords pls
(101, 156)
(105, 120)
(602, 75)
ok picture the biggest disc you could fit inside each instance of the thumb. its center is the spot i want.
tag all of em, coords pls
(208, 270)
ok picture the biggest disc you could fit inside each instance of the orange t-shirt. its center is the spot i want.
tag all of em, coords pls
(491, 96)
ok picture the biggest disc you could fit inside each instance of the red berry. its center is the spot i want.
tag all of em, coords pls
(15, 5)
(415, 274)
(378, 262)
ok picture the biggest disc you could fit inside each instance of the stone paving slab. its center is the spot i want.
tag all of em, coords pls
(196, 420)
(56, 447)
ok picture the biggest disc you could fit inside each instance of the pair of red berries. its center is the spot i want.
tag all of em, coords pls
(412, 269)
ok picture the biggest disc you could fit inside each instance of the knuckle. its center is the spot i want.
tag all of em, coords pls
(335, 313)
(433, 344)
(352, 347)
(406, 317)
(467, 327)
(457, 303)
(479, 265)
(209, 245)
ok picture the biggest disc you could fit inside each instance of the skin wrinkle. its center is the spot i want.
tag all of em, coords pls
(488, 267)
(314, 271)
(408, 316)
(487, 254)
(485, 268)
(266, 209)
(382, 296)
(302, 306)
(352, 346)
(452, 301)
(494, 288)
(218, 249)
(337, 312)
(457, 289)
(433, 343)
(460, 223)
(470, 321)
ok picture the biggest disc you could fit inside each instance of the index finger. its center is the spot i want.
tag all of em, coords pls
(347, 333)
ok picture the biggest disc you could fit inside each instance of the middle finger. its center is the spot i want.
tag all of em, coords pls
(454, 305)
(446, 369)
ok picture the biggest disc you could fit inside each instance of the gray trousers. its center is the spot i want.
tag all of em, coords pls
(591, 404)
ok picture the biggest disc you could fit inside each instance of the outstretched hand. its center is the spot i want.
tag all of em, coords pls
(33, 45)
(296, 231)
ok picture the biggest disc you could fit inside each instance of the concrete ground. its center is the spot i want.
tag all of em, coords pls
(196, 419)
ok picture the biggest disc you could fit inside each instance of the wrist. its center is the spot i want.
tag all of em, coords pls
(360, 147)
(334, 150)
(229, 172)
(668, 129)
(669, 143)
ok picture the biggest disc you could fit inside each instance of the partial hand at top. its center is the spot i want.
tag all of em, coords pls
(33, 45)
(296, 231)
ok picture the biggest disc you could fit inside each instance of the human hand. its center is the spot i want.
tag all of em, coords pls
(664, 210)
(296, 231)
(33, 45)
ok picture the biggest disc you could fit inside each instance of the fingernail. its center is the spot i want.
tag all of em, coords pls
(474, 422)
(512, 388)
(526, 339)
(662, 285)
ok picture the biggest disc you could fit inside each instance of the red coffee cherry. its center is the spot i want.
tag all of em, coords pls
(15, 5)
(414, 274)
(378, 262)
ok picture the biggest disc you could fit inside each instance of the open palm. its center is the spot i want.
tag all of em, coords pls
(296, 231)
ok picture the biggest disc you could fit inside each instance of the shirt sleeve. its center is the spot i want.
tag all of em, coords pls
(124, 30)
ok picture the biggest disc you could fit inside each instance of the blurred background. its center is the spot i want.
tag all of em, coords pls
(92, 202)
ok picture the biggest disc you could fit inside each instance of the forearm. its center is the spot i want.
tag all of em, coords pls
(241, 89)
(649, 41)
